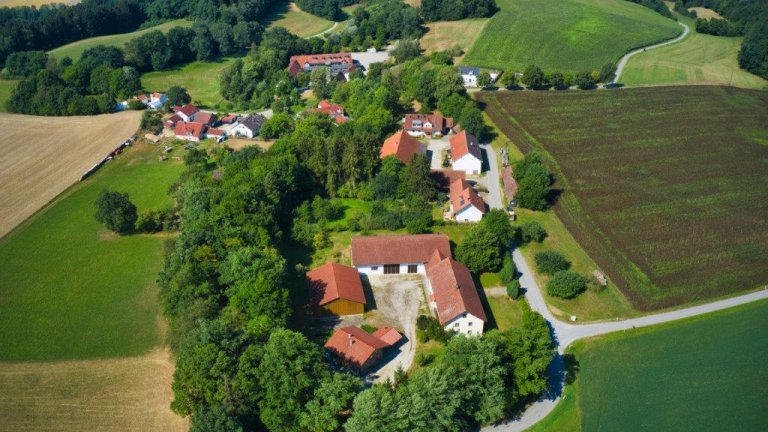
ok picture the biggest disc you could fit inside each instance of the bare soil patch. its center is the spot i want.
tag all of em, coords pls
(705, 13)
(42, 156)
(446, 34)
(124, 394)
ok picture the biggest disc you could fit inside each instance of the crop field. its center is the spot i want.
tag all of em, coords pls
(707, 373)
(71, 289)
(201, 79)
(697, 59)
(566, 35)
(75, 49)
(671, 207)
(42, 156)
(446, 34)
(110, 395)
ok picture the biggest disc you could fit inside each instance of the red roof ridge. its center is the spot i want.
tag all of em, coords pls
(401, 145)
(332, 281)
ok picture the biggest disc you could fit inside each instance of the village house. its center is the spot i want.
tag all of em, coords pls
(395, 254)
(358, 350)
(206, 118)
(171, 121)
(427, 124)
(469, 75)
(453, 296)
(466, 204)
(335, 111)
(189, 131)
(156, 100)
(402, 146)
(248, 126)
(186, 112)
(336, 289)
(340, 65)
(466, 154)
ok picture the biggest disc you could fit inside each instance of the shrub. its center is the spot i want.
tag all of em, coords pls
(152, 221)
(508, 270)
(551, 262)
(566, 284)
(424, 359)
(513, 289)
(116, 211)
(429, 328)
(369, 328)
(532, 231)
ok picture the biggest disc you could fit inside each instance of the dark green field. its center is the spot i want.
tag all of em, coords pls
(666, 188)
(71, 289)
(705, 374)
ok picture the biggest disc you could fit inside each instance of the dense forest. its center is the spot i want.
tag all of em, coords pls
(453, 10)
(751, 17)
(330, 9)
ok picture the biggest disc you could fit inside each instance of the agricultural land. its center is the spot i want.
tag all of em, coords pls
(75, 49)
(705, 373)
(79, 320)
(662, 201)
(697, 59)
(446, 34)
(6, 89)
(566, 35)
(43, 156)
(201, 79)
(296, 21)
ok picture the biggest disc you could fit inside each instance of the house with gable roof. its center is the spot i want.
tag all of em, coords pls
(186, 112)
(427, 124)
(466, 154)
(402, 146)
(358, 350)
(466, 204)
(396, 254)
(336, 289)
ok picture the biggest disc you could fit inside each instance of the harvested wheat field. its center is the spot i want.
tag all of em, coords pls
(124, 394)
(42, 156)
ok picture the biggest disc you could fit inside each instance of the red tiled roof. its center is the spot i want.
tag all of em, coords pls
(334, 281)
(229, 119)
(172, 120)
(297, 62)
(205, 117)
(389, 335)
(439, 123)
(332, 110)
(187, 109)
(454, 290)
(444, 177)
(192, 129)
(215, 132)
(463, 196)
(354, 345)
(142, 97)
(402, 146)
(398, 249)
(463, 143)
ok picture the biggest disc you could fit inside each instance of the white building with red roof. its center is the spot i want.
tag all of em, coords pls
(466, 204)
(189, 131)
(427, 124)
(396, 254)
(186, 112)
(453, 296)
(466, 154)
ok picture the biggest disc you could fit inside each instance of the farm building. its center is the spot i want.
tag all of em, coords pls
(335, 111)
(339, 64)
(191, 131)
(171, 121)
(402, 146)
(466, 204)
(394, 254)
(466, 154)
(427, 124)
(453, 297)
(248, 126)
(336, 289)
(359, 350)
(186, 112)
(206, 118)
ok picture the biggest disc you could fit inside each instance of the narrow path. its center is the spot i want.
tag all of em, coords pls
(565, 334)
(625, 59)
(336, 23)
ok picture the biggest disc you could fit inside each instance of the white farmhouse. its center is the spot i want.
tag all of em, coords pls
(466, 204)
(466, 154)
(395, 254)
(248, 126)
(453, 296)
(469, 75)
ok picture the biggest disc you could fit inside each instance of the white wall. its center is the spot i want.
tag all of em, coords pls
(469, 214)
(239, 129)
(466, 324)
(469, 80)
(379, 269)
(469, 164)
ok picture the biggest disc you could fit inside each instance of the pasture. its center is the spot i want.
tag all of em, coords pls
(671, 207)
(71, 289)
(110, 395)
(201, 79)
(43, 156)
(446, 34)
(75, 49)
(566, 35)
(697, 59)
(297, 21)
(6, 89)
(706, 373)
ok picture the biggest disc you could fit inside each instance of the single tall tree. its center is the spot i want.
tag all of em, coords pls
(116, 211)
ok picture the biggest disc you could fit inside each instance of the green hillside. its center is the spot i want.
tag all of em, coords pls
(567, 35)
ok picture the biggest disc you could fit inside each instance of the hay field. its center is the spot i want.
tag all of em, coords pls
(123, 394)
(446, 34)
(566, 35)
(705, 13)
(697, 59)
(42, 156)
(297, 21)
(672, 208)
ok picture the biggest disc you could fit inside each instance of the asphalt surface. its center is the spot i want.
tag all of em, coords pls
(492, 179)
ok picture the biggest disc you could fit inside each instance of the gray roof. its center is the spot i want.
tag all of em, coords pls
(253, 121)
(469, 70)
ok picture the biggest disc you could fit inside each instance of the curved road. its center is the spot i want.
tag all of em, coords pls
(625, 59)
(565, 334)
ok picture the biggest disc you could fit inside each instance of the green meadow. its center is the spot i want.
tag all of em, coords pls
(71, 289)
(201, 79)
(6, 89)
(566, 35)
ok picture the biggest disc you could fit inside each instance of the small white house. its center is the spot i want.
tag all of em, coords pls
(248, 126)
(466, 204)
(469, 75)
(466, 154)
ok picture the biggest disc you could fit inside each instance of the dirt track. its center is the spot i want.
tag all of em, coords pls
(42, 156)
(125, 394)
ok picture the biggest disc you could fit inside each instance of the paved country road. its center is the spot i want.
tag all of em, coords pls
(625, 59)
(565, 334)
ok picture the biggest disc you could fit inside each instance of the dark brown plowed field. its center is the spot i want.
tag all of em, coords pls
(666, 188)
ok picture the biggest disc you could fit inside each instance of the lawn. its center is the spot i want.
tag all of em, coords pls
(662, 201)
(505, 313)
(6, 88)
(697, 59)
(446, 34)
(75, 49)
(706, 373)
(566, 35)
(201, 79)
(70, 289)
(297, 21)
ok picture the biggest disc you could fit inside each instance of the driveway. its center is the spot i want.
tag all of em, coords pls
(397, 300)
(491, 178)
(435, 148)
(366, 58)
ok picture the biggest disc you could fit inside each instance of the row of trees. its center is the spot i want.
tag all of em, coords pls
(657, 5)
(454, 10)
(535, 78)
(534, 182)
(718, 27)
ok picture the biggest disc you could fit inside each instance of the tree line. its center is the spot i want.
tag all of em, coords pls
(534, 78)
(656, 5)
(330, 9)
(454, 10)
